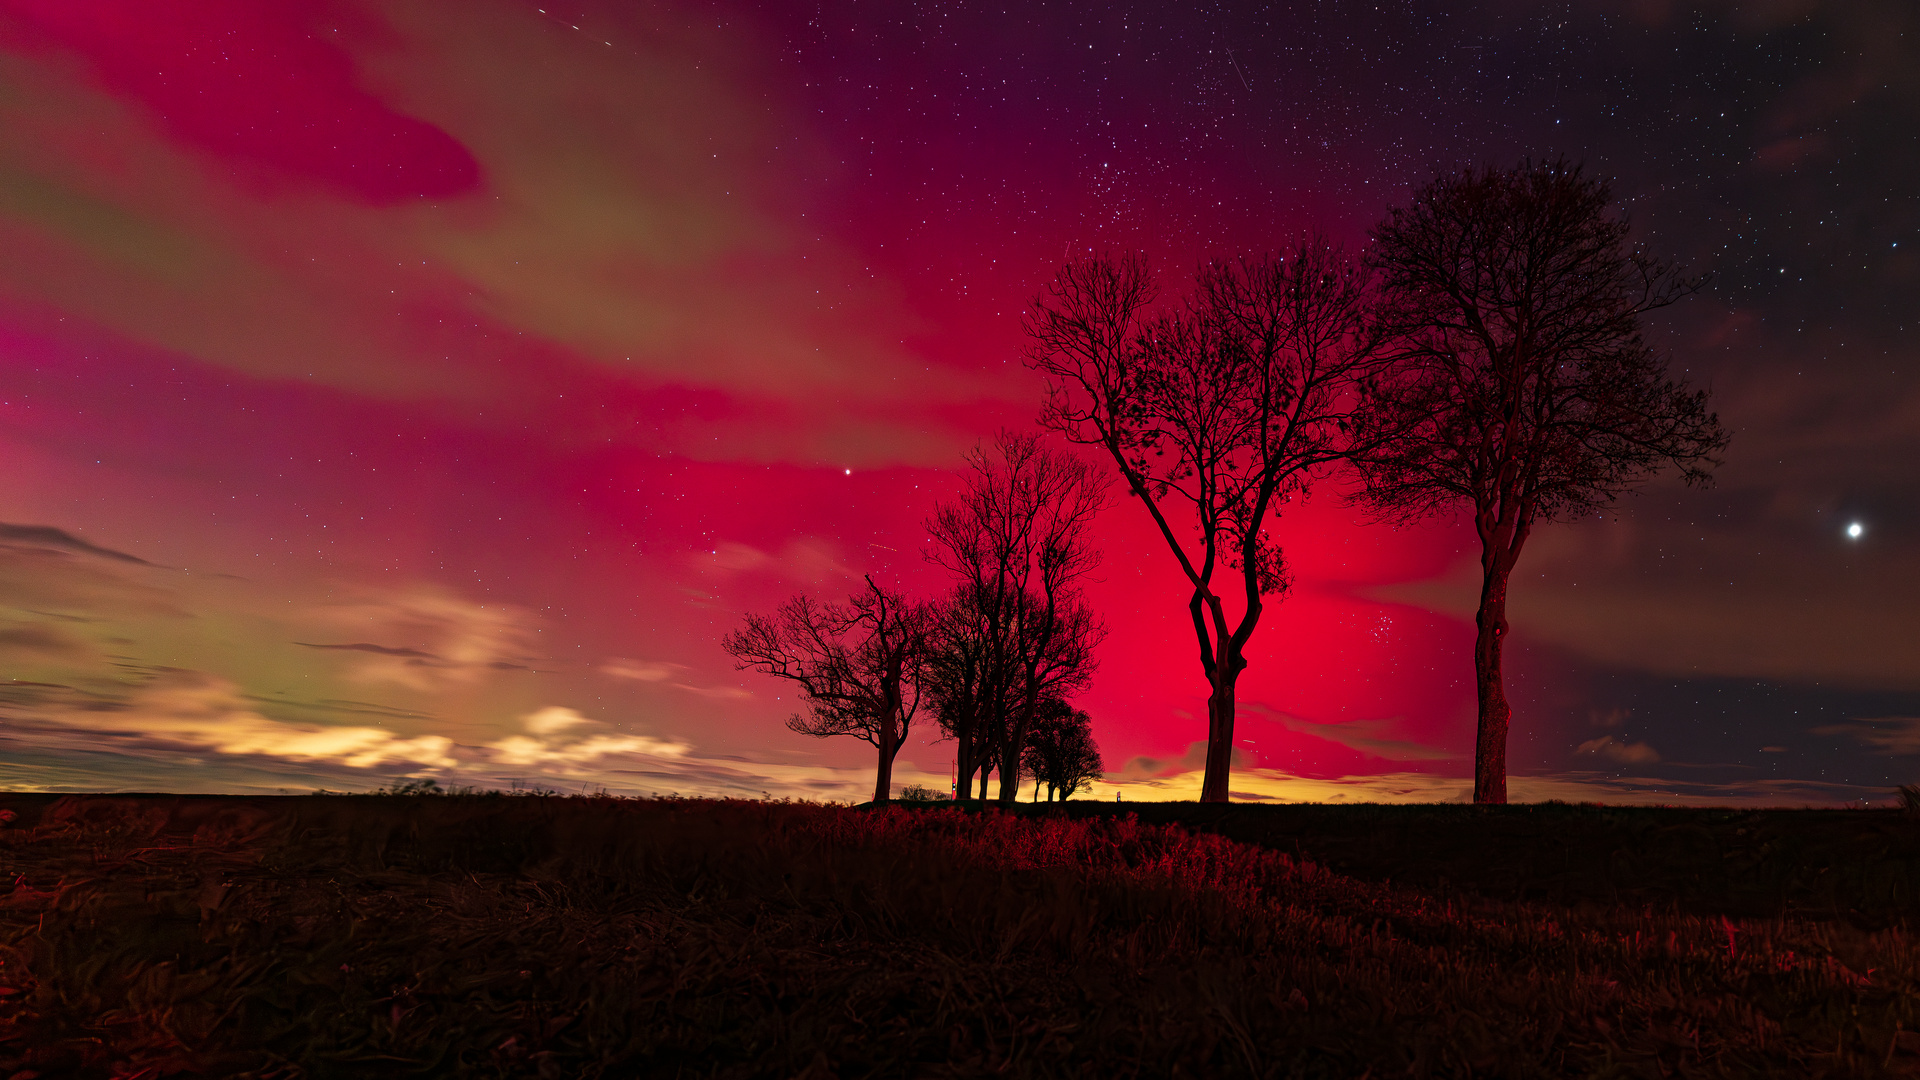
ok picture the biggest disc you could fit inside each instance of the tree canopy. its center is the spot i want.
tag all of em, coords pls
(858, 666)
(1522, 388)
(1216, 413)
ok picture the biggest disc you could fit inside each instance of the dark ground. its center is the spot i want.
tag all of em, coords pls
(1862, 866)
(435, 935)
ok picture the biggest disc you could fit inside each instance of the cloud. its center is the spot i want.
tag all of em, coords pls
(46, 571)
(734, 557)
(553, 720)
(561, 736)
(362, 646)
(661, 671)
(806, 560)
(1609, 718)
(639, 670)
(724, 693)
(428, 638)
(1890, 735)
(524, 750)
(1149, 768)
(1619, 750)
(1366, 736)
(192, 711)
(47, 536)
(187, 730)
(38, 639)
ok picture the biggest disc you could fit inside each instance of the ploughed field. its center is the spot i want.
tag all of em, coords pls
(358, 936)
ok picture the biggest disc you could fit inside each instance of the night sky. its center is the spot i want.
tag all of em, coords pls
(414, 390)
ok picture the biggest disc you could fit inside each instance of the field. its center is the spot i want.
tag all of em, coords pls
(354, 936)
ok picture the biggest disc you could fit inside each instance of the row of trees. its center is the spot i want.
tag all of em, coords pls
(994, 661)
(1486, 355)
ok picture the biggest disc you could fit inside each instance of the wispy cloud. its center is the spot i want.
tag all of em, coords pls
(808, 560)
(46, 572)
(1616, 749)
(47, 536)
(1149, 769)
(639, 670)
(661, 672)
(1892, 735)
(1608, 718)
(363, 646)
(428, 639)
(1374, 736)
(39, 639)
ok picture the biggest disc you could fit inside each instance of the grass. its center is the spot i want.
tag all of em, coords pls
(542, 936)
(1861, 867)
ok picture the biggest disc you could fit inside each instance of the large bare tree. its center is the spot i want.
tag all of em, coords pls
(1524, 389)
(1017, 541)
(1216, 415)
(857, 665)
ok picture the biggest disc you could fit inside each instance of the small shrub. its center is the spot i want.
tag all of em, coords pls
(430, 786)
(914, 793)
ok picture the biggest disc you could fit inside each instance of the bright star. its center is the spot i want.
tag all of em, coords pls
(1854, 530)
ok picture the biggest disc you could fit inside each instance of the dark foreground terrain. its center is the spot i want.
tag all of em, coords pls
(356, 936)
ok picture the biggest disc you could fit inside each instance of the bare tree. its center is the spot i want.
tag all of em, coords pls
(1060, 750)
(1224, 410)
(1017, 541)
(858, 666)
(964, 683)
(1523, 388)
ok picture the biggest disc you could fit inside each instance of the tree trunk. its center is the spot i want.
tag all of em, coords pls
(1009, 783)
(1016, 742)
(966, 763)
(1220, 712)
(889, 745)
(963, 765)
(1490, 743)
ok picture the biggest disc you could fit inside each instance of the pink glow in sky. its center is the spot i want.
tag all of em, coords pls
(422, 389)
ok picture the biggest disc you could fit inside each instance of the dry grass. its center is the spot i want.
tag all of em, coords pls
(395, 936)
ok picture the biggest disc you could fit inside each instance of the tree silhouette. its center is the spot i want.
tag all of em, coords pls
(1523, 387)
(963, 682)
(1016, 539)
(858, 666)
(1225, 409)
(1060, 750)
